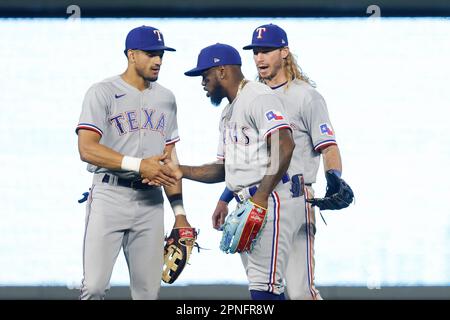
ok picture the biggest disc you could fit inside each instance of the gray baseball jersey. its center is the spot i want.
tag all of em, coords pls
(312, 130)
(311, 126)
(245, 124)
(134, 123)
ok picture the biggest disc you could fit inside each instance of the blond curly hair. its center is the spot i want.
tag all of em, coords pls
(293, 71)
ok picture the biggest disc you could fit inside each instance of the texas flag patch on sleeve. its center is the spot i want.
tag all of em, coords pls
(274, 115)
(325, 129)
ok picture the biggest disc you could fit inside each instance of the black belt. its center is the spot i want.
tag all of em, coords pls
(134, 184)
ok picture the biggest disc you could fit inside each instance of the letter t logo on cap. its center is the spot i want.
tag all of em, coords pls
(158, 33)
(260, 31)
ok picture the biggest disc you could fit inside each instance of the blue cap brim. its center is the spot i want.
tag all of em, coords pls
(266, 45)
(195, 72)
(157, 48)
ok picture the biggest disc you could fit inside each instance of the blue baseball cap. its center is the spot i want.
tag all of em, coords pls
(218, 54)
(268, 35)
(145, 38)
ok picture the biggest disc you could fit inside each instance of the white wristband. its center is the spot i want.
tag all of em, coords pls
(178, 210)
(131, 163)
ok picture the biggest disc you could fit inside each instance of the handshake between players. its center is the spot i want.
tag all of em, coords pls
(160, 170)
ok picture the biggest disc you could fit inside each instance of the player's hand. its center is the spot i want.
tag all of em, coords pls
(156, 173)
(176, 171)
(151, 183)
(339, 195)
(261, 199)
(172, 166)
(219, 215)
(181, 221)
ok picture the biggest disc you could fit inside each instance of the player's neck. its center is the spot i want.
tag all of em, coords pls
(133, 79)
(277, 80)
(236, 88)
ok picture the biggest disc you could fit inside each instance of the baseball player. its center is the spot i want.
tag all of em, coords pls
(255, 148)
(313, 136)
(127, 129)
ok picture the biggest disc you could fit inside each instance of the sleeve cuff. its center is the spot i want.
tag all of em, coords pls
(172, 141)
(278, 127)
(88, 126)
(324, 144)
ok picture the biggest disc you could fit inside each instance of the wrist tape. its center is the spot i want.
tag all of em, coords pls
(176, 202)
(131, 163)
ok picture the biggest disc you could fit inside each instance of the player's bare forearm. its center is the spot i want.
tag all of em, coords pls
(175, 189)
(91, 151)
(175, 193)
(332, 158)
(279, 164)
(207, 173)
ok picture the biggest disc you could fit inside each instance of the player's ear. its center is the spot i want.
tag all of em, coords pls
(130, 55)
(221, 72)
(284, 52)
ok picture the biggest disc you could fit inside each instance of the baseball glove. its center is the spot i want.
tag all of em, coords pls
(339, 195)
(177, 250)
(243, 227)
